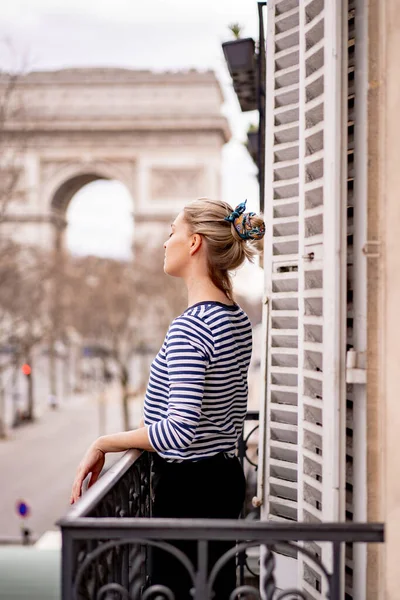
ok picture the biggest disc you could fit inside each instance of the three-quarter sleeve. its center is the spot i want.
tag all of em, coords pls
(188, 352)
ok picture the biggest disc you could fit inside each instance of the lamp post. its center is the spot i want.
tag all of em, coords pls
(261, 103)
(247, 69)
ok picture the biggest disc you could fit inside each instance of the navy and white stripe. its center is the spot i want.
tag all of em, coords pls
(196, 397)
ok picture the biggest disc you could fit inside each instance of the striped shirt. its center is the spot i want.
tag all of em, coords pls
(196, 398)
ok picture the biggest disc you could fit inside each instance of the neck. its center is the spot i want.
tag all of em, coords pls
(201, 289)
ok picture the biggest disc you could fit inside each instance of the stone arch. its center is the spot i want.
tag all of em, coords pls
(69, 179)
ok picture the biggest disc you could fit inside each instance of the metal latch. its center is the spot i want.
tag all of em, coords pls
(356, 371)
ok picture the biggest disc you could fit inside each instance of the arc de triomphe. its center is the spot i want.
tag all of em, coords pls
(160, 134)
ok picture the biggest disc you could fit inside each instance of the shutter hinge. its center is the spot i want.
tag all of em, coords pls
(371, 249)
(356, 371)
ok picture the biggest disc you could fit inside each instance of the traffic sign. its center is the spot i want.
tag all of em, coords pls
(23, 509)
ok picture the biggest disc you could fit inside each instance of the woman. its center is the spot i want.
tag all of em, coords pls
(196, 398)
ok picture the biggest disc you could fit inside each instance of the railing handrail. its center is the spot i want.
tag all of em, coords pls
(224, 529)
(90, 499)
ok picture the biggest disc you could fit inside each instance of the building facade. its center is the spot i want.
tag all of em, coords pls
(329, 409)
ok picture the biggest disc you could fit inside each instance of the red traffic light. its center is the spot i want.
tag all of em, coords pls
(26, 369)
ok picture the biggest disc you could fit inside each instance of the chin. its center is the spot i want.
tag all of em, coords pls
(171, 272)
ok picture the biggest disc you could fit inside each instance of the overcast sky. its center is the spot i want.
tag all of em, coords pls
(152, 34)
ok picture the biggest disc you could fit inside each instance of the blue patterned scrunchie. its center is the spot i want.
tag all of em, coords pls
(243, 225)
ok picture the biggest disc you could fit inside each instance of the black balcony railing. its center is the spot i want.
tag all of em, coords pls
(248, 572)
(108, 536)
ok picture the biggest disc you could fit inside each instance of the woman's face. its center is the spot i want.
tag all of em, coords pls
(177, 248)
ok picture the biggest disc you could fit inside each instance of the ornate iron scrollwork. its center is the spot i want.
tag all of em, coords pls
(115, 564)
(88, 584)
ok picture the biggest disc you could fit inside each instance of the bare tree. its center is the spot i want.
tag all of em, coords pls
(24, 321)
(122, 306)
(12, 150)
(13, 131)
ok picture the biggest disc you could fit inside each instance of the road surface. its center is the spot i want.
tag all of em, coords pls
(39, 460)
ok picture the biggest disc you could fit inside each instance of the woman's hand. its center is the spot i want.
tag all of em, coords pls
(92, 463)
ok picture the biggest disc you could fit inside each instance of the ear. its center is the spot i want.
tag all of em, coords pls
(195, 243)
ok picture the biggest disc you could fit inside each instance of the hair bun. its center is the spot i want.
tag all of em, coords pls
(249, 226)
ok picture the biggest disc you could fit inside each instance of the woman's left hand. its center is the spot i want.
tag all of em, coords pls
(92, 463)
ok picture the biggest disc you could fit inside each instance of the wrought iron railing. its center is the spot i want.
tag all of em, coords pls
(114, 564)
(121, 495)
(108, 535)
(247, 454)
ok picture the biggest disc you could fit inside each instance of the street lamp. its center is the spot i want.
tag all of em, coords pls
(247, 69)
(240, 58)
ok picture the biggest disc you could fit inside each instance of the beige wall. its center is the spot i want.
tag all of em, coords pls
(384, 295)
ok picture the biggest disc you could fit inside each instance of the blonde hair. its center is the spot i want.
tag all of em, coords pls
(226, 250)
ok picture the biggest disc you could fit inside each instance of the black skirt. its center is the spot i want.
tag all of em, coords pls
(211, 488)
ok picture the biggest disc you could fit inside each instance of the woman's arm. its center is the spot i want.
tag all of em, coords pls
(93, 461)
(118, 442)
(187, 358)
(178, 428)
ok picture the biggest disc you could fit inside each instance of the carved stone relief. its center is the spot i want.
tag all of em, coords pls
(168, 183)
(50, 168)
(54, 173)
(12, 183)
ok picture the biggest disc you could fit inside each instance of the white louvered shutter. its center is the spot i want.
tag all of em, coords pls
(356, 171)
(281, 258)
(305, 269)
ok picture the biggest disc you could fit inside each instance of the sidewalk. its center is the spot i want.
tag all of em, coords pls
(38, 463)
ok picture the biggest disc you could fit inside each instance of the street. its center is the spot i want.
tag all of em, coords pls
(39, 460)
